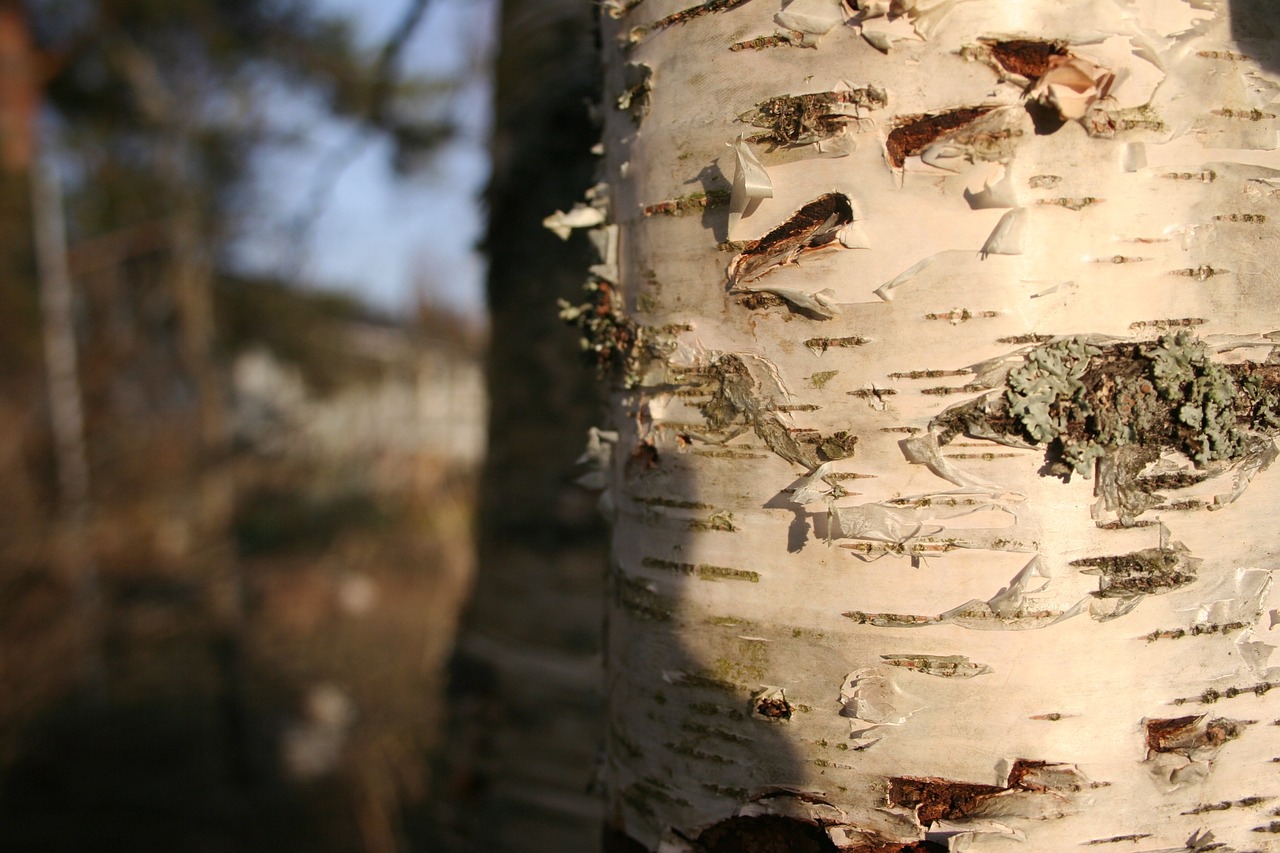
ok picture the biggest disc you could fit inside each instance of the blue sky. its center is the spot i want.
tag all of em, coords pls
(383, 237)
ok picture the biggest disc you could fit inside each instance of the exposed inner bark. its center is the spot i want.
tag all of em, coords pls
(915, 133)
(1027, 57)
(813, 226)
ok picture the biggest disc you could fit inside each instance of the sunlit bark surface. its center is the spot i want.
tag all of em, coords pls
(943, 515)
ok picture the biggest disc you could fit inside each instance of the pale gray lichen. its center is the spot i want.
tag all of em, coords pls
(1116, 407)
(1083, 399)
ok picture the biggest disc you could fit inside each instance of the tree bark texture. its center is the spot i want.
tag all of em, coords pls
(944, 345)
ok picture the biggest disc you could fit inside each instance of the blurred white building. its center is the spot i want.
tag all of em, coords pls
(424, 399)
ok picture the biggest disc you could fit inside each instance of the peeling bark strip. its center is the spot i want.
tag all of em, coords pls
(1038, 789)
(939, 799)
(1187, 735)
(913, 134)
(739, 403)
(1148, 572)
(804, 119)
(812, 227)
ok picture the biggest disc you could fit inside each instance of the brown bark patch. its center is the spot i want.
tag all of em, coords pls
(1026, 57)
(915, 133)
(939, 799)
(933, 798)
(773, 708)
(1187, 734)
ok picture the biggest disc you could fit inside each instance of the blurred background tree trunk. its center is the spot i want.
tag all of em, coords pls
(526, 678)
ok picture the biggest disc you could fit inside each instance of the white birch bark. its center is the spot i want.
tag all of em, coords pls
(931, 639)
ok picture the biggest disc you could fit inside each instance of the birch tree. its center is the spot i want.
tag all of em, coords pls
(942, 337)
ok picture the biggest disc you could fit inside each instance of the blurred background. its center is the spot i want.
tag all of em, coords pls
(291, 557)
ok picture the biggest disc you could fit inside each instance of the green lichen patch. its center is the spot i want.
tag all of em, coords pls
(1117, 407)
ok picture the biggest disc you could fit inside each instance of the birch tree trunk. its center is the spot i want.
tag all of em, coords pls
(944, 346)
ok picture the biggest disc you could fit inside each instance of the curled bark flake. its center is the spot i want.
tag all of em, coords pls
(1182, 750)
(1034, 789)
(812, 227)
(771, 704)
(619, 8)
(1071, 85)
(912, 134)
